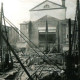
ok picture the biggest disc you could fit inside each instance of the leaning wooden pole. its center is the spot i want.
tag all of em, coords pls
(78, 17)
(14, 53)
(70, 66)
(10, 47)
(1, 31)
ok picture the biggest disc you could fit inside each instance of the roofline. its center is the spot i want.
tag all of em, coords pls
(48, 9)
(56, 3)
(49, 16)
(38, 5)
(44, 2)
(23, 23)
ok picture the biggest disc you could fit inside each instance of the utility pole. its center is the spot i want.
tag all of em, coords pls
(47, 37)
(78, 18)
(1, 31)
(73, 59)
(70, 62)
(58, 38)
(70, 45)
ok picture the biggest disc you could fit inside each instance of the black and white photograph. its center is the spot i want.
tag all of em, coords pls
(39, 39)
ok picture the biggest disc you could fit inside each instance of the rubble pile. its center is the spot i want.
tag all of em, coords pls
(36, 66)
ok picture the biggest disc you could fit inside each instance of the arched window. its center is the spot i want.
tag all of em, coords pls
(46, 6)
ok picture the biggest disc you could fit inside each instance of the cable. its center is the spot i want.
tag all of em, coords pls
(31, 47)
(34, 50)
(31, 42)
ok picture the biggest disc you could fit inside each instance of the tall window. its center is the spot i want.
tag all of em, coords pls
(51, 37)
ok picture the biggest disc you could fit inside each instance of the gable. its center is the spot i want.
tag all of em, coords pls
(51, 21)
(47, 5)
(44, 18)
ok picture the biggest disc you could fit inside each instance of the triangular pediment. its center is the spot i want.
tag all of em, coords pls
(44, 18)
(46, 5)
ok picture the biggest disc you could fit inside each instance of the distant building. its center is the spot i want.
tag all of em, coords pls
(13, 36)
(24, 29)
(23, 40)
(53, 16)
(48, 8)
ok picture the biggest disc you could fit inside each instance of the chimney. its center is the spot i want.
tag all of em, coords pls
(63, 3)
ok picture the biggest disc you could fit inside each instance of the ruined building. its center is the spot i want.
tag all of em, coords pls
(53, 16)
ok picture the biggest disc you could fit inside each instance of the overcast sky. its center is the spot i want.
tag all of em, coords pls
(17, 11)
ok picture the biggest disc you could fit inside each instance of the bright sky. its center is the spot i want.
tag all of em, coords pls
(17, 11)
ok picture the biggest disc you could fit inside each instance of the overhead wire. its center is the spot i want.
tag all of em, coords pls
(36, 52)
(31, 47)
(28, 42)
